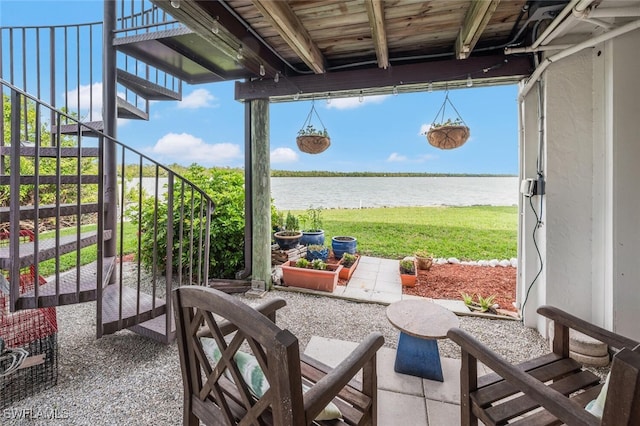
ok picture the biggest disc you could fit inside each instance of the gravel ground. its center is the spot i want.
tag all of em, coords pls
(126, 379)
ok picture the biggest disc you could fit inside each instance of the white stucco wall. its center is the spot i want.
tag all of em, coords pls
(623, 73)
(567, 217)
(591, 233)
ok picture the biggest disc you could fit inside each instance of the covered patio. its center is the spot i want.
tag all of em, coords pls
(578, 236)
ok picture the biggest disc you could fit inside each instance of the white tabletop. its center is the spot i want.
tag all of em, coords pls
(421, 318)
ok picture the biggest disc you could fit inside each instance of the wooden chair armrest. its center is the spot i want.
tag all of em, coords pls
(320, 394)
(268, 309)
(612, 339)
(556, 403)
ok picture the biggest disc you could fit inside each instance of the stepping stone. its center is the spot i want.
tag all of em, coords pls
(585, 349)
(595, 361)
(586, 345)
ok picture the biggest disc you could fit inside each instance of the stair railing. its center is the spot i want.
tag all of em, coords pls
(179, 210)
(62, 65)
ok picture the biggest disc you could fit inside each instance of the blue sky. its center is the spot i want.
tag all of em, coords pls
(381, 133)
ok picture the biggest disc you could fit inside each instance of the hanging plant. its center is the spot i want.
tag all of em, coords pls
(310, 139)
(448, 134)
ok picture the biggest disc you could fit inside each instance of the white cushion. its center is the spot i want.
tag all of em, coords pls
(254, 376)
(596, 406)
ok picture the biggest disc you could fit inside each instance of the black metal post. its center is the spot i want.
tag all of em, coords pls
(109, 110)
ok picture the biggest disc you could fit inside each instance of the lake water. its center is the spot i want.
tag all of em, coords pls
(298, 193)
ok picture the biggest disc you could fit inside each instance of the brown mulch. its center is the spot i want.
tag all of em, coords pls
(449, 281)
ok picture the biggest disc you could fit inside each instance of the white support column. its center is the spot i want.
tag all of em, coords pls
(624, 69)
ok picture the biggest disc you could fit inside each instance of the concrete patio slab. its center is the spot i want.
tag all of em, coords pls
(402, 399)
(400, 409)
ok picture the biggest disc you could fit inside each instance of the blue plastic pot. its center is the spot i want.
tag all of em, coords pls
(322, 254)
(312, 237)
(341, 245)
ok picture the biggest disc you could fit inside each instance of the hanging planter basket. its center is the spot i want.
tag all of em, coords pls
(448, 134)
(313, 144)
(448, 137)
(310, 139)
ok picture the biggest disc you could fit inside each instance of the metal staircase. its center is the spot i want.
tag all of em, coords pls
(74, 190)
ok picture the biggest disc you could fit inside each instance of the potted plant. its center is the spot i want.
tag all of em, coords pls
(290, 236)
(314, 275)
(343, 244)
(312, 232)
(447, 134)
(423, 260)
(317, 252)
(310, 139)
(408, 272)
(349, 263)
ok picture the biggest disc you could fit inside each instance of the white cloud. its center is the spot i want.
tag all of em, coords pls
(350, 103)
(284, 155)
(424, 129)
(186, 148)
(90, 98)
(395, 157)
(199, 98)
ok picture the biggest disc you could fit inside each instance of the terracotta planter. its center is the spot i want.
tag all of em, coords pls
(312, 279)
(408, 280)
(424, 263)
(345, 273)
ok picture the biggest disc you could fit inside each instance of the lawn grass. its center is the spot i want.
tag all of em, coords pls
(467, 233)
(87, 254)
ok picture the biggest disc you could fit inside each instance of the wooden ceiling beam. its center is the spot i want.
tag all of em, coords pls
(291, 29)
(475, 21)
(405, 78)
(375, 10)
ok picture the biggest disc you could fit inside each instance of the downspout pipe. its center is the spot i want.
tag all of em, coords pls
(535, 76)
(610, 12)
(568, 9)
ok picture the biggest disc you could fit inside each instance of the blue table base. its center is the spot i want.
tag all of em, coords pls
(418, 357)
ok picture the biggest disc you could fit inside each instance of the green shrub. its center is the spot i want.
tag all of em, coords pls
(226, 188)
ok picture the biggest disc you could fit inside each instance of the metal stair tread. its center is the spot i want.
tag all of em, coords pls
(156, 329)
(111, 321)
(174, 51)
(48, 210)
(89, 128)
(129, 111)
(52, 179)
(145, 88)
(52, 151)
(69, 292)
(47, 248)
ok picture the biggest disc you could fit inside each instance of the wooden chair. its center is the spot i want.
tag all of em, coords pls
(553, 381)
(216, 392)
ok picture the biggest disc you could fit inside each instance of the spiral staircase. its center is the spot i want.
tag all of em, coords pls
(73, 203)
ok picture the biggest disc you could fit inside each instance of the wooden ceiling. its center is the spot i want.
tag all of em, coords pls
(295, 49)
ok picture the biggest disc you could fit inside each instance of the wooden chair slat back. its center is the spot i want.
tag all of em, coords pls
(275, 350)
(622, 406)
